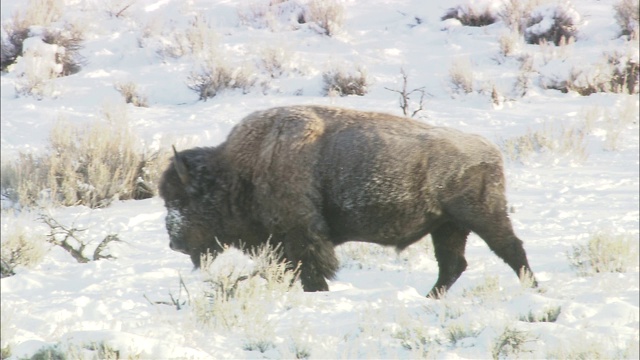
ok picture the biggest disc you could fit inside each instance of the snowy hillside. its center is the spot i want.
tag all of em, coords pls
(163, 72)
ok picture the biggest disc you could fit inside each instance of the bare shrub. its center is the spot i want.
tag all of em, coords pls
(129, 90)
(12, 46)
(89, 165)
(554, 24)
(469, 16)
(339, 82)
(461, 75)
(326, 15)
(20, 244)
(626, 14)
(405, 96)
(68, 238)
(605, 252)
(216, 77)
(625, 73)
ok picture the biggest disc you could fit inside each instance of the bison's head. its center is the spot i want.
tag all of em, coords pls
(191, 219)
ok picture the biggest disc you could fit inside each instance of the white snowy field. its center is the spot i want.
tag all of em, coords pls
(585, 182)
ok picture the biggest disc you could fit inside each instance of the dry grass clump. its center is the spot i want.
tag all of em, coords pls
(339, 82)
(605, 252)
(85, 165)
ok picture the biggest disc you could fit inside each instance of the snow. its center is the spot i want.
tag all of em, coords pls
(376, 306)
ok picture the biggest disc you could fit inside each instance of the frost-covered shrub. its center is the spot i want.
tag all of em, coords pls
(559, 141)
(461, 75)
(90, 165)
(555, 23)
(129, 90)
(515, 13)
(627, 13)
(37, 66)
(20, 244)
(605, 252)
(472, 14)
(46, 55)
(342, 83)
(511, 343)
(272, 14)
(616, 72)
(69, 41)
(217, 77)
(274, 60)
(37, 12)
(550, 314)
(236, 289)
(199, 40)
(327, 16)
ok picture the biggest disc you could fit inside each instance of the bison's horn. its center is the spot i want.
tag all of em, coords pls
(181, 167)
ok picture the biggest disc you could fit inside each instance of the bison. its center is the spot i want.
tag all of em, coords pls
(314, 177)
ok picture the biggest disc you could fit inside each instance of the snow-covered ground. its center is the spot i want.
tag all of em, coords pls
(376, 307)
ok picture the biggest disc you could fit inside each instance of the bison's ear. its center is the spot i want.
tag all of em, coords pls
(180, 166)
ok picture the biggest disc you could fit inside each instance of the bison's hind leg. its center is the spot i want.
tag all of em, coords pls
(449, 242)
(492, 224)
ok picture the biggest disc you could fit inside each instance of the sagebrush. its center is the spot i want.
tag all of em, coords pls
(90, 165)
(605, 252)
(339, 82)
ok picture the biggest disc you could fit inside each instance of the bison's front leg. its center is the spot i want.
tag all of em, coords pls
(449, 242)
(316, 256)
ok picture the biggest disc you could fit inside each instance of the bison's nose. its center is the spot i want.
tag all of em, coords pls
(176, 247)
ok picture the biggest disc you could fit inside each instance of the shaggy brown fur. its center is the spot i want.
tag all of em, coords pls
(313, 177)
